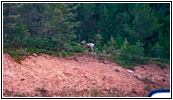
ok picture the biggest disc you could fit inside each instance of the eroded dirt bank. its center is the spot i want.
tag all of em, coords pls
(44, 75)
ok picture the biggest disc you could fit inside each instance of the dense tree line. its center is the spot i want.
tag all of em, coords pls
(128, 33)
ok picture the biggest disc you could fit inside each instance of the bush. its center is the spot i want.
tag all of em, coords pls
(41, 43)
(16, 54)
(137, 52)
(31, 50)
(131, 54)
(63, 53)
(111, 46)
(125, 57)
(52, 53)
(73, 47)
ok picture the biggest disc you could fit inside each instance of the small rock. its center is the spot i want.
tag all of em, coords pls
(105, 62)
(129, 71)
(75, 58)
(93, 83)
(103, 78)
(137, 76)
(147, 80)
(86, 76)
(74, 68)
(34, 54)
(163, 79)
(66, 73)
(22, 79)
(152, 79)
(117, 70)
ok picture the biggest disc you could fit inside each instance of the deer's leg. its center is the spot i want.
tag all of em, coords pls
(92, 49)
(87, 50)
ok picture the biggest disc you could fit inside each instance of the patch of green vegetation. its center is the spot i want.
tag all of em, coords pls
(96, 92)
(158, 61)
(162, 60)
(52, 53)
(148, 88)
(43, 92)
(16, 94)
(21, 94)
(16, 54)
(133, 91)
(32, 50)
(125, 64)
(63, 53)
(161, 65)
(7, 92)
(100, 56)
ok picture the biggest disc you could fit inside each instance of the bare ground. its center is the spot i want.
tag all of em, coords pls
(84, 76)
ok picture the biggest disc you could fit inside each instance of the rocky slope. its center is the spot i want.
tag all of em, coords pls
(43, 75)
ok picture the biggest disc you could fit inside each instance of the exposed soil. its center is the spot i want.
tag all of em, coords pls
(44, 75)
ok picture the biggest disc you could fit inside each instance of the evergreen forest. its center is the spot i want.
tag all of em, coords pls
(127, 33)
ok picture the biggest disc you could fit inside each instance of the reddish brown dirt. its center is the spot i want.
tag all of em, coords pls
(44, 75)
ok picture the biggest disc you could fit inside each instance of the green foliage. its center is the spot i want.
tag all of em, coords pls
(73, 47)
(145, 23)
(119, 40)
(161, 65)
(57, 29)
(32, 50)
(150, 50)
(98, 46)
(148, 88)
(41, 43)
(63, 53)
(159, 60)
(138, 53)
(157, 50)
(125, 57)
(17, 54)
(111, 46)
(96, 92)
(131, 54)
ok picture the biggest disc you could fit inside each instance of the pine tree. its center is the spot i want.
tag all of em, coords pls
(119, 40)
(145, 23)
(163, 11)
(150, 50)
(125, 55)
(15, 31)
(138, 52)
(111, 46)
(64, 24)
(157, 50)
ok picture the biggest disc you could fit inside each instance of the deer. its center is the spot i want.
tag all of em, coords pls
(88, 45)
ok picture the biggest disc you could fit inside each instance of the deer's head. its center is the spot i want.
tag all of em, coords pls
(83, 42)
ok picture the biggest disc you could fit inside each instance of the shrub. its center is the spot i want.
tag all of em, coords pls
(16, 54)
(125, 58)
(73, 47)
(31, 50)
(111, 46)
(41, 43)
(131, 54)
(137, 52)
(63, 53)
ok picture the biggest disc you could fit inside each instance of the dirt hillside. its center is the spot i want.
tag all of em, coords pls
(43, 75)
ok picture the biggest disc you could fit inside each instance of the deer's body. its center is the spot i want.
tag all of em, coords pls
(88, 45)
